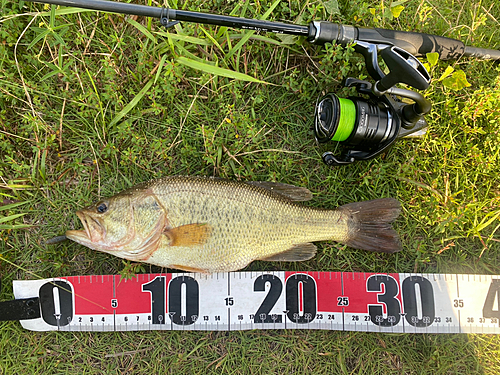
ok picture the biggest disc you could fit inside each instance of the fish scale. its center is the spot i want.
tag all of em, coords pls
(213, 225)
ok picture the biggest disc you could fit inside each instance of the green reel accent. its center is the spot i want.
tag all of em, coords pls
(347, 119)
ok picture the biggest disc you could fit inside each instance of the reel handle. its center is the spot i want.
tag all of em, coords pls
(404, 68)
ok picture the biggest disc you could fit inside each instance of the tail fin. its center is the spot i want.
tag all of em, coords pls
(370, 226)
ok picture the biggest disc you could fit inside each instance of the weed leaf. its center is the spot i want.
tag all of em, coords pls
(457, 81)
(432, 58)
(332, 7)
(42, 35)
(396, 11)
(287, 39)
(447, 72)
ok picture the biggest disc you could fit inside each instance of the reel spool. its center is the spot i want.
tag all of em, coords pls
(355, 122)
(366, 128)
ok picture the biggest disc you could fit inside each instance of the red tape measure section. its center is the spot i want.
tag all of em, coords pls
(349, 301)
(100, 294)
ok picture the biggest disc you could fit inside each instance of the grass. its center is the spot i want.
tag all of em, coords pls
(92, 103)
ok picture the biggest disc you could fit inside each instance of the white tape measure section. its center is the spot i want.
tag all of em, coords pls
(339, 301)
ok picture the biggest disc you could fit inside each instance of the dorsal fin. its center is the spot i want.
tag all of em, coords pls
(297, 253)
(294, 193)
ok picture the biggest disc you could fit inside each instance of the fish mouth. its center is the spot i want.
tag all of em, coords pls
(93, 230)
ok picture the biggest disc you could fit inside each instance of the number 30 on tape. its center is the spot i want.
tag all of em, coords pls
(340, 301)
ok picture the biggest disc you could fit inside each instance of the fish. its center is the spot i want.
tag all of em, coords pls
(208, 225)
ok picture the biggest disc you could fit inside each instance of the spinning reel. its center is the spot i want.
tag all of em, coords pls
(366, 128)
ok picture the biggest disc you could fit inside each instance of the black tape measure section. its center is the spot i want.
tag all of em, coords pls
(19, 309)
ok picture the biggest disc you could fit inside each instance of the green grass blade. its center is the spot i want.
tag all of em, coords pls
(183, 51)
(211, 38)
(256, 37)
(132, 103)
(142, 29)
(13, 226)
(222, 29)
(484, 223)
(70, 10)
(15, 186)
(185, 38)
(50, 74)
(38, 38)
(12, 205)
(249, 34)
(11, 217)
(160, 67)
(270, 10)
(52, 16)
(215, 70)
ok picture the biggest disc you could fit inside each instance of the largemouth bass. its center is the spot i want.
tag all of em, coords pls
(210, 225)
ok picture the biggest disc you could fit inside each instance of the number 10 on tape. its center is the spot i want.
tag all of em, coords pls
(340, 301)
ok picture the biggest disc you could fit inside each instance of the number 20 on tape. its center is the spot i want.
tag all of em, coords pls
(348, 301)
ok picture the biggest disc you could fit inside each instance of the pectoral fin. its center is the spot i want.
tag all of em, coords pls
(189, 234)
(297, 253)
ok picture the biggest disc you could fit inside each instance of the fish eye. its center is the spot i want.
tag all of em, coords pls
(102, 207)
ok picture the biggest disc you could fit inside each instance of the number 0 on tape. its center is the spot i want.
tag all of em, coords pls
(339, 301)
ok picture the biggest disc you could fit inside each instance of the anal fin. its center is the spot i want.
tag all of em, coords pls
(188, 269)
(297, 253)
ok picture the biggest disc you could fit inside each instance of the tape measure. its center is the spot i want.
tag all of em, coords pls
(339, 301)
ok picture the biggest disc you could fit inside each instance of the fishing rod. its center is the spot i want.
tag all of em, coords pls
(366, 127)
